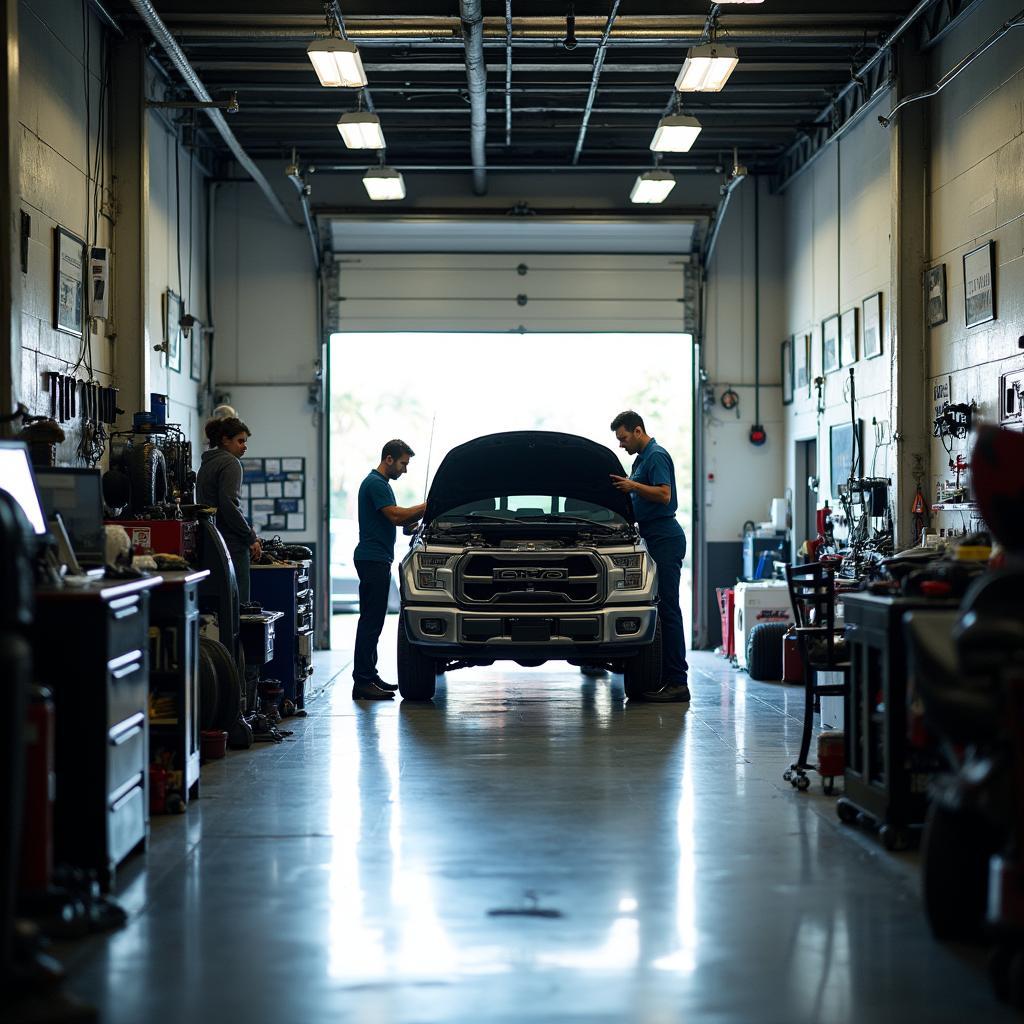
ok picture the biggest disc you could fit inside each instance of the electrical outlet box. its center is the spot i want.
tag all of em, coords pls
(1011, 397)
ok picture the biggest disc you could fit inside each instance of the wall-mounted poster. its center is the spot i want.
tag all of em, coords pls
(844, 447)
(802, 363)
(871, 312)
(171, 357)
(979, 285)
(830, 344)
(848, 338)
(787, 372)
(276, 492)
(935, 295)
(68, 282)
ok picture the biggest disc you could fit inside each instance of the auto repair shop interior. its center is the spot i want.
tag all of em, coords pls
(789, 234)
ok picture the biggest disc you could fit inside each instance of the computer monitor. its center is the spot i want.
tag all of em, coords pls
(17, 479)
(77, 495)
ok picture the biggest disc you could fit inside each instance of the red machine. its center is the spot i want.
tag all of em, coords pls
(161, 536)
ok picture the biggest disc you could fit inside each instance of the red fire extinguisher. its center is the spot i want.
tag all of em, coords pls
(40, 793)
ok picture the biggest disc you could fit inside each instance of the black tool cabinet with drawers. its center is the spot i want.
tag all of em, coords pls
(288, 588)
(91, 649)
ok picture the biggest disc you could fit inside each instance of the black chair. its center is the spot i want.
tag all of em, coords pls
(812, 593)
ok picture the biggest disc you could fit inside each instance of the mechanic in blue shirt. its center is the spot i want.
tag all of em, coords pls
(652, 487)
(379, 515)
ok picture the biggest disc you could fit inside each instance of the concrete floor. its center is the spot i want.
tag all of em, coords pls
(665, 870)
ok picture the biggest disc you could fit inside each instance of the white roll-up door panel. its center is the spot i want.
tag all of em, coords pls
(540, 292)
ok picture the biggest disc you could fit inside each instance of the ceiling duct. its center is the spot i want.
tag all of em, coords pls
(476, 77)
(162, 35)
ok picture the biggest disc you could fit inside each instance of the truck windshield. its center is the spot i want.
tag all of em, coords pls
(536, 507)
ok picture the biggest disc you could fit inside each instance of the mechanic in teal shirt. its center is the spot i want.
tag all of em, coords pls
(652, 487)
(379, 516)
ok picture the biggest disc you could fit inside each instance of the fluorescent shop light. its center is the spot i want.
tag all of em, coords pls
(361, 131)
(706, 68)
(675, 134)
(337, 63)
(384, 183)
(652, 187)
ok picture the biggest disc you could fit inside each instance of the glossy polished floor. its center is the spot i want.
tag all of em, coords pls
(646, 863)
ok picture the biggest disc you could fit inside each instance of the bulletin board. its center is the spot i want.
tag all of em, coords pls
(273, 493)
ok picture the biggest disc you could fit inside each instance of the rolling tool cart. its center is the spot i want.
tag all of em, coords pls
(287, 587)
(886, 778)
(174, 678)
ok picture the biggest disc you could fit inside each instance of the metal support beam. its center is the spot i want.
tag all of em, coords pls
(476, 78)
(908, 252)
(10, 269)
(130, 295)
(508, 72)
(602, 50)
(162, 35)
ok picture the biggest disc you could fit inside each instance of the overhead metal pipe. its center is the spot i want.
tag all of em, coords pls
(295, 177)
(162, 35)
(602, 50)
(476, 77)
(1015, 22)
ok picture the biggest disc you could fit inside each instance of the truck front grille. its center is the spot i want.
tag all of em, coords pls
(530, 579)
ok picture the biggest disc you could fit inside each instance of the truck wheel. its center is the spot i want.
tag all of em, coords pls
(147, 472)
(642, 672)
(416, 671)
(764, 651)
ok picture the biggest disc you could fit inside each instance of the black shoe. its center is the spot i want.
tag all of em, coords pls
(370, 691)
(671, 694)
(390, 687)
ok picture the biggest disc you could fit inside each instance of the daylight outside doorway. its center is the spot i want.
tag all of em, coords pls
(436, 391)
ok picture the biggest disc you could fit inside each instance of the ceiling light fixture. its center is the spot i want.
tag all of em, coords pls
(706, 68)
(337, 63)
(675, 134)
(652, 187)
(361, 131)
(384, 183)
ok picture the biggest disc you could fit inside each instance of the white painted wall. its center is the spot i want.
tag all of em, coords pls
(741, 479)
(976, 193)
(56, 189)
(266, 343)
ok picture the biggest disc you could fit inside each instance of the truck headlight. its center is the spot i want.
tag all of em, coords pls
(631, 571)
(627, 561)
(428, 567)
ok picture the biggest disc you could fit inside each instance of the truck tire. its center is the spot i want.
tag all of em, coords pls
(764, 651)
(642, 672)
(229, 685)
(147, 472)
(416, 672)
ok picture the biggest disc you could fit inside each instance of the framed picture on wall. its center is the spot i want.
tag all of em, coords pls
(844, 448)
(830, 344)
(68, 282)
(172, 331)
(935, 295)
(848, 337)
(802, 363)
(979, 285)
(787, 372)
(871, 312)
(195, 346)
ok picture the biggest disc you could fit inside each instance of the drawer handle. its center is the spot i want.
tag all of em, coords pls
(127, 734)
(126, 613)
(127, 670)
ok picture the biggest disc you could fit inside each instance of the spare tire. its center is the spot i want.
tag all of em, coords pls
(209, 692)
(764, 651)
(229, 685)
(147, 472)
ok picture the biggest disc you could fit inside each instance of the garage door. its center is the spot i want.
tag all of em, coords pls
(536, 288)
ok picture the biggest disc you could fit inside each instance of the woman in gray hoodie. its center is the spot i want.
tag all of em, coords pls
(218, 484)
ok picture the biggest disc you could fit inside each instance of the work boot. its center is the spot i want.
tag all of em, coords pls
(385, 686)
(674, 693)
(370, 691)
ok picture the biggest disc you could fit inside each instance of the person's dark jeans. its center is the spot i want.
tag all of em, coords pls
(374, 584)
(668, 555)
(241, 561)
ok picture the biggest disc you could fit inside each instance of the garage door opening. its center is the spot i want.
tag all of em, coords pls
(438, 390)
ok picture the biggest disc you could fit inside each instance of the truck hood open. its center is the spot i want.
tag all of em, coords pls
(527, 462)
